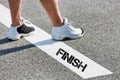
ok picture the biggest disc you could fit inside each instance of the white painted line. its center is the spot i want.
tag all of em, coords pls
(72, 59)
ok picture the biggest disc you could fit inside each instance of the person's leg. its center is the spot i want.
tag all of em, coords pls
(61, 27)
(51, 6)
(18, 27)
(15, 9)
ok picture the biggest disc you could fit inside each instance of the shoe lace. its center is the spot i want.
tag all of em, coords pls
(70, 26)
(28, 21)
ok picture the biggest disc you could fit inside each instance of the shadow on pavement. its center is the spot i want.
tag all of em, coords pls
(46, 42)
(4, 41)
(11, 50)
(15, 49)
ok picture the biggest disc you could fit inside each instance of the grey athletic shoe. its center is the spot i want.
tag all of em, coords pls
(15, 33)
(66, 31)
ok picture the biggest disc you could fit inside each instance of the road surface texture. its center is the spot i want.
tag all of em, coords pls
(21, 60)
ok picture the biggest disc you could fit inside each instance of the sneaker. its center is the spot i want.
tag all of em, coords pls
(66, 31)
(15, 33)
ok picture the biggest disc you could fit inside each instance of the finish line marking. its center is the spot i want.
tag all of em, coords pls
(72, 59)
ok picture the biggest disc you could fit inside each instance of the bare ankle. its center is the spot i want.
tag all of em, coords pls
(18, 22)
(58, 23)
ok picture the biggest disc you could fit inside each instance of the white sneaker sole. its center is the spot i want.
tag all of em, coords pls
(19, 36)
(67, 37)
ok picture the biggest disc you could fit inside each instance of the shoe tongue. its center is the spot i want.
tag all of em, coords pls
(65, 21)
(15, 26)
(64, 24)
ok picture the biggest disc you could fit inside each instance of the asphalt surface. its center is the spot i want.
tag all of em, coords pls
(20, 60)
